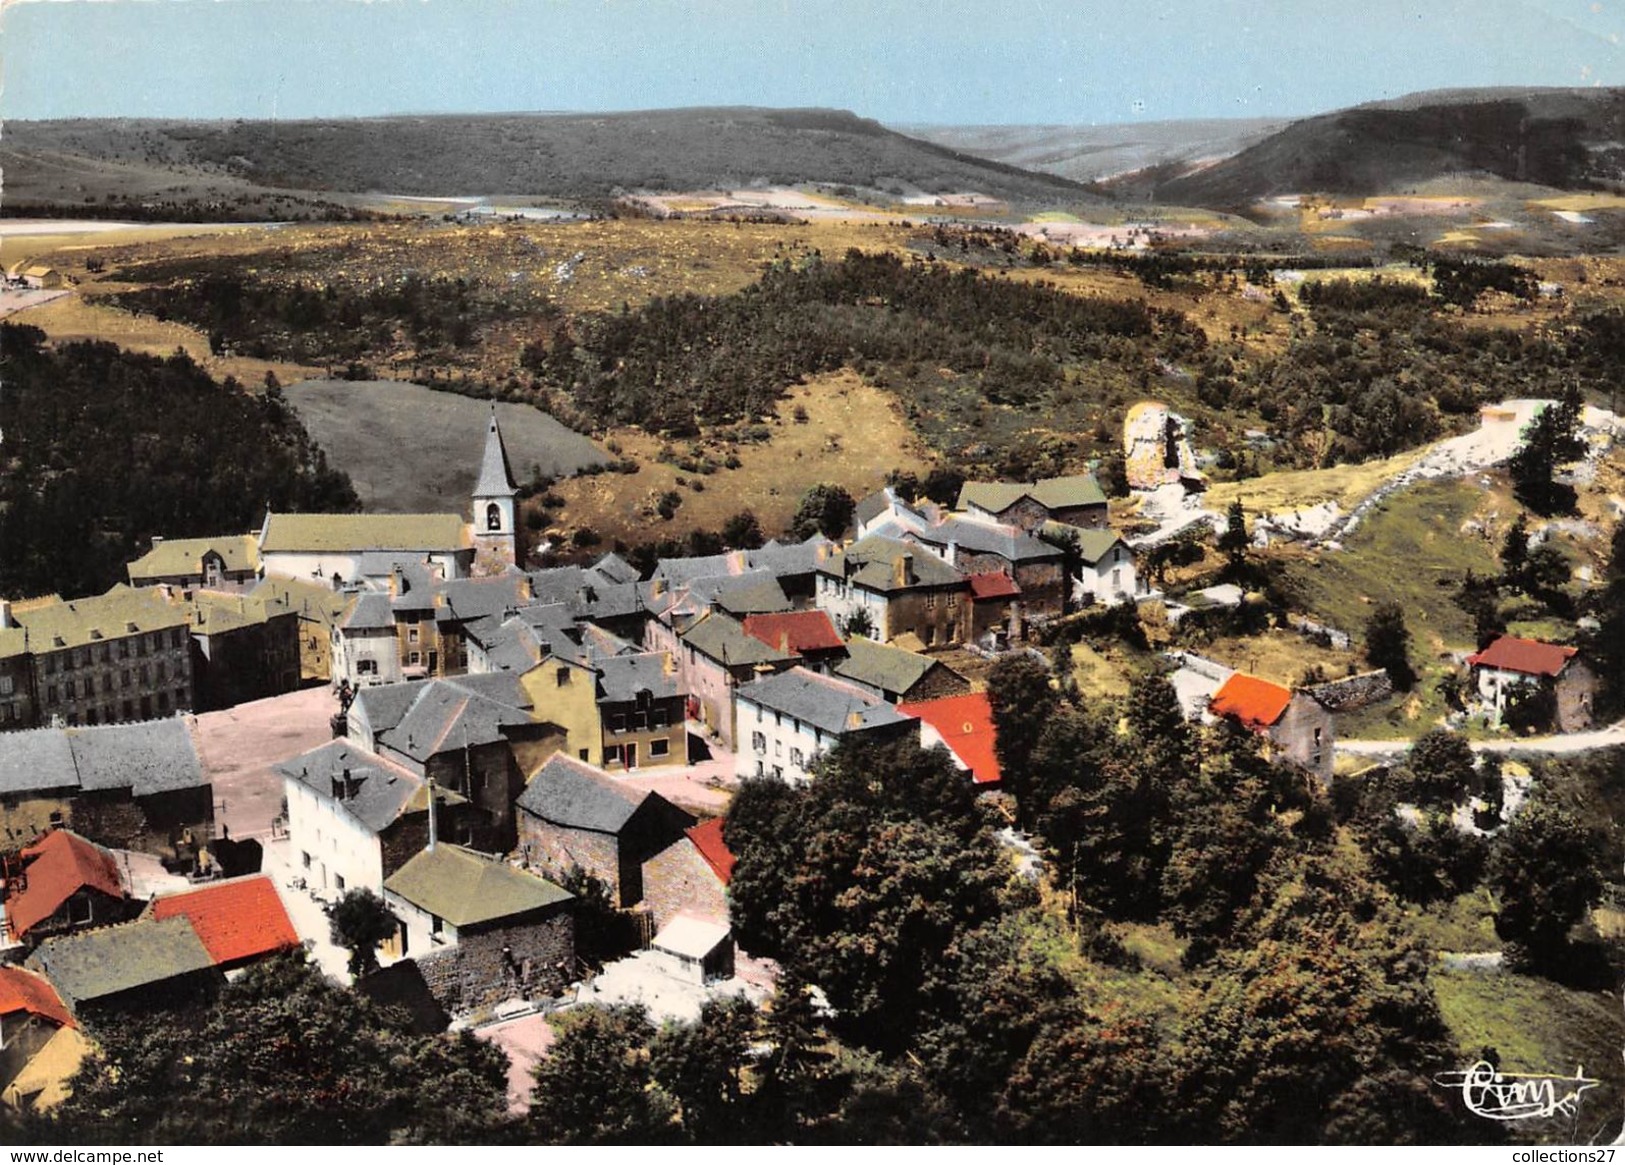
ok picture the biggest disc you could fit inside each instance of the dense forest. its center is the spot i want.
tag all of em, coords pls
(105, 448)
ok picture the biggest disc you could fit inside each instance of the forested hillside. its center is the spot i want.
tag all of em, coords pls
(105, 448)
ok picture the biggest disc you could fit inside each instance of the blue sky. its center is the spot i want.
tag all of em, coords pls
(901, 61)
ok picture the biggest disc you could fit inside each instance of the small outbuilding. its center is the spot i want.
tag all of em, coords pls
(695, 949)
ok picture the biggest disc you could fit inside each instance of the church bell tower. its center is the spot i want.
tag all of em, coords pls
(496, 543)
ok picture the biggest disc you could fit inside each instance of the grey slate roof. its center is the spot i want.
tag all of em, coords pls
(825, 703)
(574, 794)
(155, 756)
(755, 593)
(616, 569)
(372, 611)
(788, 558)
(496, 478)
(721, 638)
(682, 571)
(445, 716)
(467, 889)
(384, 793)
(1008, 542)
(39, 758)
(622, 677)
(871, 563)
(95, 964)
(473, 598)
(883, 667)
(585, 592)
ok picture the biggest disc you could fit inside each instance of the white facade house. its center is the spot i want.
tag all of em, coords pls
(1106, 572)
(366, 651)
(785, 722)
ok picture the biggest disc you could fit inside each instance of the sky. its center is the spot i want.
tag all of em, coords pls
(946, 62)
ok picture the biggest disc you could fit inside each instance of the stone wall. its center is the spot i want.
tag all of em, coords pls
(677, 880)
(556, 849)
(1354, 692)
(1576, 688)
(527, 960)
(938, 682)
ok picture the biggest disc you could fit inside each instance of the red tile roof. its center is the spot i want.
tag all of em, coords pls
(994, 584)
(1256, 703)
(965, 724)
(1531, 657)
(57, 867)
(22, 990)
(240, 919)
(805, 630)
(707, 838)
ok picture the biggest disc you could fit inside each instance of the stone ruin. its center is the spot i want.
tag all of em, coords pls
(1157, 448)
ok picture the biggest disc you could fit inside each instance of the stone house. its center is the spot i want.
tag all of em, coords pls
(319, 610)
(1511, 665)
(481, 930)
(243, 648)
(1106, 571)
(809, 636)
(125, 655)
(1297, 727)
(572, 814)
(898, 675)
(899, 588)
(126, 786)
(1075, 501)
(793, 718)
(995, 614)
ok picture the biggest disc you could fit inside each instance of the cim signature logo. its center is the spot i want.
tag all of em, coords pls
(1516, 1096)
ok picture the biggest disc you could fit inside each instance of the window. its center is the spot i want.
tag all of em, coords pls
(953, 599)
(124, 649)
(366, 667)
(778, 748)
(175, 637)
(412, 635)
(617, 722)
(6, 685)
(305, 859)
(124, 678)
(561, 678)
(493, 516)
(50, 693)
(758, 742)
(79, 908)
(612, 755)
(582, 753)
(163, 701)
(778, 771)
(338, 882)
(413, 659)
(797, 758)
(659, 747)
(163, 670)
(930, 599)
(930, 636)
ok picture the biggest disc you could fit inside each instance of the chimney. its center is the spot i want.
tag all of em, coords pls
(855, 720)
(5, 614)
(903, 570)
(784, 642)
(736, 562)
(668, 663)
(433, 831)
(823, 552)
(657, 587)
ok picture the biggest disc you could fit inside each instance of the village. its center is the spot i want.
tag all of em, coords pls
(203, 766)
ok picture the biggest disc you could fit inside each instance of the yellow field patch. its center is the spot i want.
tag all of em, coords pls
(1347, 485)
(853, 436)
(1582, 202)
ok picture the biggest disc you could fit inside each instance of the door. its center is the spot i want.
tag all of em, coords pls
(632, 756)
(434, 663)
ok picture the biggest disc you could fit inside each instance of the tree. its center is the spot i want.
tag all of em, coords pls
(742, 531)
(1233, 543)
(1543, 871)
(1515, 552)
(1023, 701)
(594, 1087)
(1480, 597)
(1388, 645)
(1440, 768)
(701, 1065)
(1549, 441)
(361, 922)
(825, 509)
(943, 485)
(285, 1057)
(1607, 644)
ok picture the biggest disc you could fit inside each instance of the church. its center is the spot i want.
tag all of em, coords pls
(361, 549)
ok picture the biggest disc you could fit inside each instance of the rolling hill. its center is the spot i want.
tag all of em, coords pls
(1571, 139)
(565, 156)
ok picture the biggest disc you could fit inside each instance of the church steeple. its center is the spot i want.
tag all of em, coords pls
(495, 541)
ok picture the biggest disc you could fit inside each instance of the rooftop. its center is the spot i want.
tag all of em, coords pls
(496, 478)
(378, 792)
(1053, 493)
(722, 638)
(884, 667)
(467, 889)
(152, 756)
(175, 557)
(344, 533)
(98, 963)
(122, 611)
(826, 704)
(876, 563)
(58, 866)
(707, 839)
(574, 794)
(965, 724)
(239, 919)
(797, 631)
(1526, 656)
(1256, 703)
(22, 990)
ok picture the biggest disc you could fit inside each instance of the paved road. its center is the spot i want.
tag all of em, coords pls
(1569, 742)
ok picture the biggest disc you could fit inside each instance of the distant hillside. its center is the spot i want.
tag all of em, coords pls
(1094, 153)
(569, 156)
(1565, 138)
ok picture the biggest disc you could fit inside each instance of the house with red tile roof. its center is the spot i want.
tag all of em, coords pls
(239, 921)
(1512, 665)
(40, 1045)
(62, 883)
(707, 839)
(811, 635)
(964, 726)
(690, 878)
(1297, 726)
